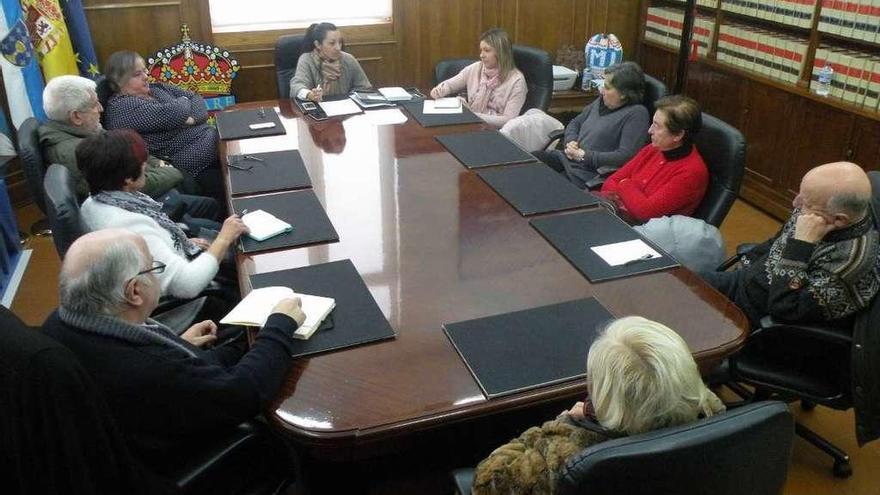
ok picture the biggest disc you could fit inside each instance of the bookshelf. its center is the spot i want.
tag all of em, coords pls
(755, 68)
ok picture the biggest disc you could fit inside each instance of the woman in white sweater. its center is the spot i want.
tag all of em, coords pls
(113, 164)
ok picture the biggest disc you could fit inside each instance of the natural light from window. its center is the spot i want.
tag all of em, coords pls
(262, 15)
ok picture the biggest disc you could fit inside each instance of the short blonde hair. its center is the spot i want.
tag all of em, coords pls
(641, 376)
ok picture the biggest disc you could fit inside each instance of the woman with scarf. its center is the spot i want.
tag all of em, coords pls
(324, 69)
(113, 164)
(496, 89)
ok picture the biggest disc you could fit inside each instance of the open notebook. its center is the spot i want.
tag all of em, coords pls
(255, 308)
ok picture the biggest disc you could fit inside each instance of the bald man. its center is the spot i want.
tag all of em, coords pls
(823, 265)
(161, 388)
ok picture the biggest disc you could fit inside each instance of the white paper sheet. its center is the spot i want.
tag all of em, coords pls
(340, 107)
(620, 253)
(429, 109)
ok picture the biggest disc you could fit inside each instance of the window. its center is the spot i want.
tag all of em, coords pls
(262, 15)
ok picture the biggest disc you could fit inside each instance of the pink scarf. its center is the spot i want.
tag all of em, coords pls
(489, 80)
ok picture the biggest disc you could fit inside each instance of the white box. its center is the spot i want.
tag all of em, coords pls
(563, 78)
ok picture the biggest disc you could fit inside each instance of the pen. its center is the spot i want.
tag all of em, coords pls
(252, 158)
(242, 213)
(643, 257)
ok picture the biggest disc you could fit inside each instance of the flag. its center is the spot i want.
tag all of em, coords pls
(21, 74)
(49, 36)
(83, 49)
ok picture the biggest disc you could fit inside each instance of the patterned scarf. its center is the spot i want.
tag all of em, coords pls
(489, 80)
(138, 202)
(331, 71)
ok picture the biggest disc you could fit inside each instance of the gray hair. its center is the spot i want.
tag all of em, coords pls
(629, 80)
(855, 205)
(65, 94)
(100, 287)
(119, 68)
(641, 376)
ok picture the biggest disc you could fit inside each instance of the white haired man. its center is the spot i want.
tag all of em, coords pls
(161, 388)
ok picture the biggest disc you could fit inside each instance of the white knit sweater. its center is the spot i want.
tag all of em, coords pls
(182, 278)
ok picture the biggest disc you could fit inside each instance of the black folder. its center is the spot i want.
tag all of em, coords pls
(535, 188)
(415, 107)
(301, 209)
(519, 351)
(274, 171)
(484, 149)
(357, 318)
(236, 124)
(574, 234)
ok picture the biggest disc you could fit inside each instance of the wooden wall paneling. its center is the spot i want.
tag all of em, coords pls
(659, 63)
(545, 24)
(823, 136)
(720, 95)
(865, 144)
(256, 78)
(767, 133)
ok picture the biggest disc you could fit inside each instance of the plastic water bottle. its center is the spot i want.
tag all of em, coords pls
(826, 74)
(585, 79)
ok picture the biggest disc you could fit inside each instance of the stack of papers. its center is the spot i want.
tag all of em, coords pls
(255, 308)
(264, 225)
(442, 105)
(395, 93)
(339, 107)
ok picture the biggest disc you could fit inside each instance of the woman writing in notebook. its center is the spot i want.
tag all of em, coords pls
(113, 164)
(496, 89)
(324, 69)
(640, 377)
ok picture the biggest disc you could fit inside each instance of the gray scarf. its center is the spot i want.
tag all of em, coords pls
(138, 202)
(151, 332)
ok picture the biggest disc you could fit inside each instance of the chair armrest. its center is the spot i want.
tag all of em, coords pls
(464, 480)
(741, 250)
(830, 334)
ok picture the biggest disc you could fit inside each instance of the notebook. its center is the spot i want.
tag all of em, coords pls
(395, 93)
(264, 225)
(255, 308)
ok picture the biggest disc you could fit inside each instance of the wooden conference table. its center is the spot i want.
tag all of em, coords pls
(436, 245)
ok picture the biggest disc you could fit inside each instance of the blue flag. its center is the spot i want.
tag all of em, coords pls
(21, 73)
(83, 48)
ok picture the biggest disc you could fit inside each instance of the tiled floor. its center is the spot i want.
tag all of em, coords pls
(810, 472)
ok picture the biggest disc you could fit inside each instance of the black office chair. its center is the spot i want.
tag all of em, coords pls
(34, 168)
(59, 436)
(534, 63)
(103, 92)
(62, 208)
(654, 90)
(744, 450)
(288, 48)
(723, 148)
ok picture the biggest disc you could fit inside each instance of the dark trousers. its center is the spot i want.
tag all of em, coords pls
(197, 212)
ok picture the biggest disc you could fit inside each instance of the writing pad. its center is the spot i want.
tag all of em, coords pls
(235, 124)
(574, 234)
(484, 149)
(301, 209)
(274, 171)
(356, 318)
(519, 351)
(535, 188)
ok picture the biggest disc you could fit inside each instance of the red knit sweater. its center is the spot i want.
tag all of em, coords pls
(651, 186)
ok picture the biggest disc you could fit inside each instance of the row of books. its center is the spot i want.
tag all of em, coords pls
(663, 26)
(712, 4)
(768, 53)
(790, 12)
(856, 19)
(856, 75)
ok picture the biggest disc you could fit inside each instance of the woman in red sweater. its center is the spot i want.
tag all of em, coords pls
(668, 176)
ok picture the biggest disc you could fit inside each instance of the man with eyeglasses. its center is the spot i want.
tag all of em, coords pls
(163, 389)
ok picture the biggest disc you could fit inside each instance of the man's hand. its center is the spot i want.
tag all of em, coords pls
(291, 307)
(810, 227)
(201, 334)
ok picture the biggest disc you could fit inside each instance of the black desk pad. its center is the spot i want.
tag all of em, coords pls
(278, 171)
(357, 318)
(574, 234)
(301, 209)
(519, 351)
(415, 107)
(484, 149)
(536, 188)
(234, 124)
